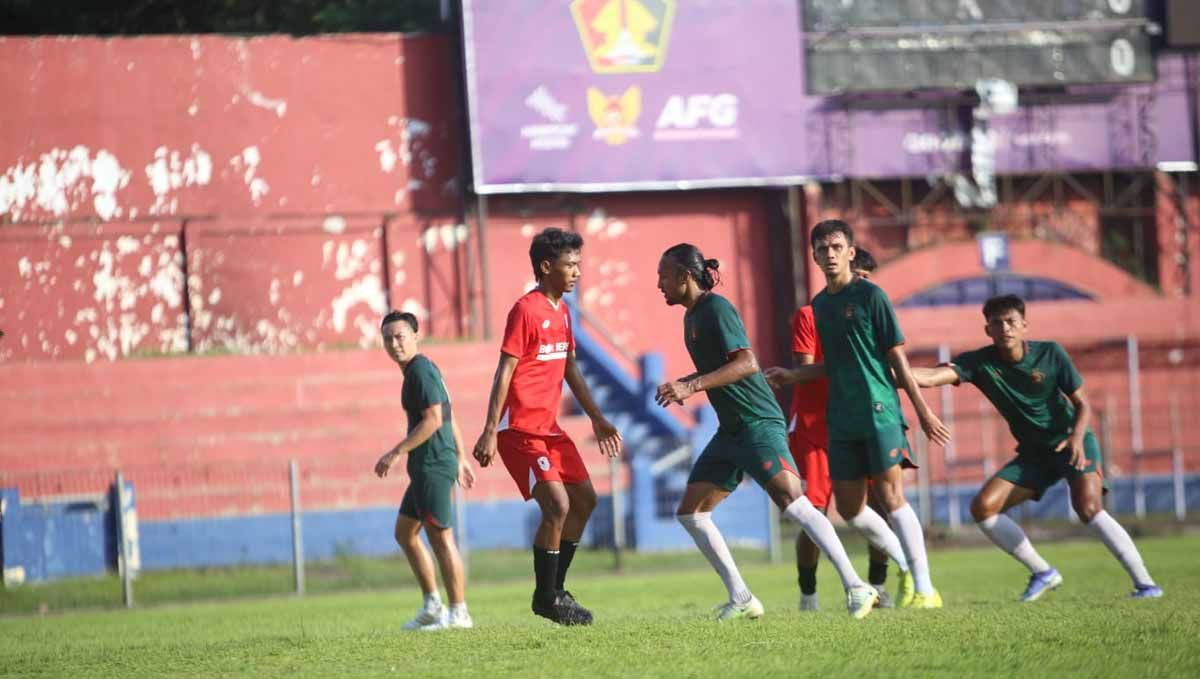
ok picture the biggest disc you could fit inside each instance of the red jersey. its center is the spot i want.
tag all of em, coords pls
(539, 336)
(809, 400)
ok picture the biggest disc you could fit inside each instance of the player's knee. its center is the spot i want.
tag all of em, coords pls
(849, 507)
(889, 500)
(584, 503)
(554, 510)
(1087, 508)
(405, 533)
(406, 539)
(440, 538)
(981, 509)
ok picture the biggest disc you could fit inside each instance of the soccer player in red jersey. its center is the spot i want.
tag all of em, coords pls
(808, 439)
(538, 352)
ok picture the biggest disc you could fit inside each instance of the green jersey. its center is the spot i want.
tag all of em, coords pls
(423, 387)
(857, 327)
(1031, 394)
(712, 330)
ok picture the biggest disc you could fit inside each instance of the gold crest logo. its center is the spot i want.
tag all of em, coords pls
(615, 116)
(1037, 376)
(624, 36)
(849, 312)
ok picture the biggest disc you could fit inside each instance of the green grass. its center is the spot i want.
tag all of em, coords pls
(654, 622)
(339, 575)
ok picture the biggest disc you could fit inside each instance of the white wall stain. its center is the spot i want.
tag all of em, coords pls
(367, 290)
(247, 163)
(351, 259)
(57, 184)
(171, 171)
(256, 98)
(387, 155)
(334, 224)
(411, 149)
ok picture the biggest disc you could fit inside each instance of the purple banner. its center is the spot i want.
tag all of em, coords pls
(1083, 128)
(600, 95)
(595, 95)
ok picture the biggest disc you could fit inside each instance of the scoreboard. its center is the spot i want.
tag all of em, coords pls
(877, 45)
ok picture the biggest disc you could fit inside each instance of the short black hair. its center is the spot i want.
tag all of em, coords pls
(1003, 303)
(396, 315)
(548, 245)
(829, 227)
(863, 261)
(689, 258)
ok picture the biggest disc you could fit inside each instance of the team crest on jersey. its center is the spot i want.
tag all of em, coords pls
(849, 312)
(878, 407)
(1037, 376)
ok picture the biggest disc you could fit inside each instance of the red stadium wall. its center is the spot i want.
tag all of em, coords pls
(272, 195)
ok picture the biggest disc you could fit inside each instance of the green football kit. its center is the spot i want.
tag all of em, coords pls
(1031, 395)
(433, 465)
(857, 327)
(751, 437)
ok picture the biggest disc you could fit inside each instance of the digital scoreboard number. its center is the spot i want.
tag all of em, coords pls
(879, 45)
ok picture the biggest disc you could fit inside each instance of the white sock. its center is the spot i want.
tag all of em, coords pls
(821, 532)
(1121, 546)
(912, 538)
(712, 545)
(433, 600)
(879, 534)
(1008, 536)
(458, 610)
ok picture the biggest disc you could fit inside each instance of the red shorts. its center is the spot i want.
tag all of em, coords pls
(530, 459)
(813, 464)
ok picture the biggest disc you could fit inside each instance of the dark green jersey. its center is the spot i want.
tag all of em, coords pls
(423, 387)
(857, 327)
(1031, 394)
(712, 330)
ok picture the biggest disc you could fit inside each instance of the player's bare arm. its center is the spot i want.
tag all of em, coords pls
(779, 376)
(485, 447)
(606, 434)
(1074, 443)
(940, 376)
(741, 365)
(431, 421)
(930, 424)
(466, 475)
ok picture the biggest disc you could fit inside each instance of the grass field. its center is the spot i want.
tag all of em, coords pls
(653, 622)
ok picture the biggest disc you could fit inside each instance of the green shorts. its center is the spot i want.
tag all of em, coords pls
(1038, 471)
(758, 449)
(871, 455)
(428, 499)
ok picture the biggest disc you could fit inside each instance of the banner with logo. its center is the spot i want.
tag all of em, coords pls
(602, 95)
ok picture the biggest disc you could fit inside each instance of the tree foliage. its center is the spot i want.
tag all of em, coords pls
(300, 17)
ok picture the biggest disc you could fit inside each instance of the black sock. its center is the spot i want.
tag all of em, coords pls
(877, 574)
(808, 579)
(545, 572)
(566, 552)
